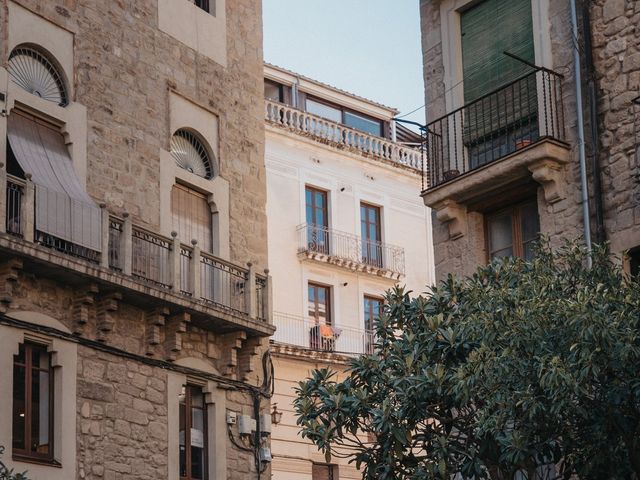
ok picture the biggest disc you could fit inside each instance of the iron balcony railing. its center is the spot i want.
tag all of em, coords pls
(515, 116)
(355, 251)
(150, 258)
(309, 333)
(340, 135)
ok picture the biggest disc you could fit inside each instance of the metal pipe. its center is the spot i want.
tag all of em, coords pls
(586, 216)
(601, 234)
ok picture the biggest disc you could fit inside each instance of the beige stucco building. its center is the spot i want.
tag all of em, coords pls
(135, 309)
(345, 223)
(503, 143)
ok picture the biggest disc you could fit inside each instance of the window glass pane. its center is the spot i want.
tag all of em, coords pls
(40, 412)
(20, 358)
(359, 122)
(182, 429)
(197, 433)
(324, 111)
(500, 236)
(272, 91)
(530, 222)
(19, 406)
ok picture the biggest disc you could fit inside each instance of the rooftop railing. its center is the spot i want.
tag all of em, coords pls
(339, 135)
(308, 333)
(513, 117)
(156, 260)
(353, 251)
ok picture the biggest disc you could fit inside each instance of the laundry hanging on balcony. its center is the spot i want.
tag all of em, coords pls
(64, 210)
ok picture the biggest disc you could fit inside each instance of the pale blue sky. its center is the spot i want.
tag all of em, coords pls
(368, 47)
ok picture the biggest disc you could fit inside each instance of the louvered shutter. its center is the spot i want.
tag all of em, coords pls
(494, 123)
(488, 29)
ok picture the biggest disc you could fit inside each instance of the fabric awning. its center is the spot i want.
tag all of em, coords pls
(63, 207)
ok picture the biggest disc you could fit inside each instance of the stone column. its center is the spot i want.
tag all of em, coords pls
(104, 255)
(174, 260)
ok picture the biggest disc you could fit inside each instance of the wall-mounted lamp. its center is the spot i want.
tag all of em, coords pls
(276, 416)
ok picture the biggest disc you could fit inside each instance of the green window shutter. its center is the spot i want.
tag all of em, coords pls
(488, 29)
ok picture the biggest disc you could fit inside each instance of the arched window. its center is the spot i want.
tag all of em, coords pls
(190, 153)
(34, 71)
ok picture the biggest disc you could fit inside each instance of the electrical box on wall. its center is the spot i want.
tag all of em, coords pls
(265, 454)
(265, 424)
(232, 418)
(246, 425)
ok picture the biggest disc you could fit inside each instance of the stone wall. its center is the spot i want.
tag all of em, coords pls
(124, 68)
(616, 51)
(615, 32)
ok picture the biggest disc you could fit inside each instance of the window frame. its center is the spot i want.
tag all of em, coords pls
(332, 471)
(517, 240)
(26, 455)
(344, 110)
(187, 433)
(370, 245)
(328, 304)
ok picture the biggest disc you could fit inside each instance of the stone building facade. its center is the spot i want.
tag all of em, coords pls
(135, 308)
(503, 154)
(345, 225)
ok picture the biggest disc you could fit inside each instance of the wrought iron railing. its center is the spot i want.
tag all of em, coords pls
(340, 135)
(317, 239)
(309, 333)
(513, 117)
(151, 258)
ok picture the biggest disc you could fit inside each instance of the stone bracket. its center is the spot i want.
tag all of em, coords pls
(107, 306)
(248, 356)
(232, 345)
(176, 326)
(8, 279)
(455, 215)
(548, 173)
(82, 302)
(154, 319)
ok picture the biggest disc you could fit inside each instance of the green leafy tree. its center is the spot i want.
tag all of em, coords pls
(524, 370)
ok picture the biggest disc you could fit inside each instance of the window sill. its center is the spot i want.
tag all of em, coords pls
(35, 460)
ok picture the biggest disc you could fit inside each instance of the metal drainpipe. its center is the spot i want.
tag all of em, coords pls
(601, 234)
(586, 216)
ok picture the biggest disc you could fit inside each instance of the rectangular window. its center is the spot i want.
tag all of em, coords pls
(273, 91)
(205, 5)
(320, 304)
(370, 227)
(317, 217)
(191, 216)
(32, 403)
(324, 472)
(372, 309)
(512, 232)
(338, 114)
(193, 434)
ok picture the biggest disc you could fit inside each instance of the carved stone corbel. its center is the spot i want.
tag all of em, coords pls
(8, 279)
(107, 307)
(455, 215)
(549, 174)
(82, 302)
(248, 356)
(176, 325)
(232, 345)
(154, 319)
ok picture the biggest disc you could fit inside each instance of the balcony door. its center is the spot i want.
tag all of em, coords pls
(371, 232)
(497, 124)
(191, 216)
(321, 335)
(317, 216)
(372, 309)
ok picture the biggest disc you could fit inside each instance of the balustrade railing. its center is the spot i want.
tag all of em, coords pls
(152, 258)
(511, 118)
(308, 333)
(350, 248)
(338, 134)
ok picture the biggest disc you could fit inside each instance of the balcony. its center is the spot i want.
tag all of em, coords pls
(339, 136)
(513, 133)
(147, 268)
(325, 245)
(304, 332)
